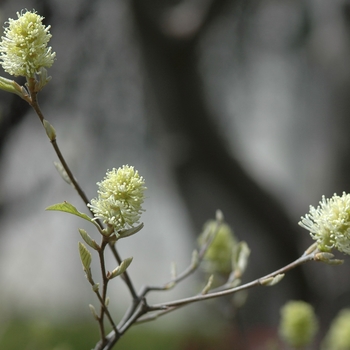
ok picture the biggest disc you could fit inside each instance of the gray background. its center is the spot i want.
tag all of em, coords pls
(237, 105)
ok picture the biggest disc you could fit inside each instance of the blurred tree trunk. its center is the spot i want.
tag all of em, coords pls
(169, 41)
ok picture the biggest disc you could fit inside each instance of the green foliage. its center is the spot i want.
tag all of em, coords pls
(68, 208)
(29, 335)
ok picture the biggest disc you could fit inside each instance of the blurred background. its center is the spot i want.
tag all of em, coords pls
(234, 105)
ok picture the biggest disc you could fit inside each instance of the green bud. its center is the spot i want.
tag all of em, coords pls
(328, 258)
(298, 324)
(219, 254)
(324, 256)
(93, 311)
(338, 336)
(208, 285)
(240, 257)
(88, 240)
(120, 269)
(50, 131)
(107, 301)
(271, 281)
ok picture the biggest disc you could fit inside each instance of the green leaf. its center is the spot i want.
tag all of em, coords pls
(69, 208)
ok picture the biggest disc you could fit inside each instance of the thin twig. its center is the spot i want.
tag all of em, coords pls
(164, 308)
(249, 285)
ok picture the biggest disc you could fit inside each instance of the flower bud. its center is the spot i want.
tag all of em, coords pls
(338, 336)
(271, 281)
(50, 130)
(298, 324)
(93, 311)
(218, 257)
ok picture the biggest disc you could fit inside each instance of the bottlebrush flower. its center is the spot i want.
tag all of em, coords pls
(23, 48)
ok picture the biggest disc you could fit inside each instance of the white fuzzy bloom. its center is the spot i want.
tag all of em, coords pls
(329, 223)
(23, 48)
(120, 198)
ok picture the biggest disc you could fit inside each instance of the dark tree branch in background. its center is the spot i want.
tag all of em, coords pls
(171, 62)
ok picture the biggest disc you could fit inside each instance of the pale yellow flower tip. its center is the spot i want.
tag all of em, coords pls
(329, 223)
(23, 48)
(120, 198)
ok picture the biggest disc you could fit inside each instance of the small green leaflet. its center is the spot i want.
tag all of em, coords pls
(69, 208)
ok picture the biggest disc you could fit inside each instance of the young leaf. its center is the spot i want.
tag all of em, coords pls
(68, 208)
(11, 86)
(240, 256)
(92, 243)
(208, 285)
(130, 231)
(85, 257)
(120, 269)
(62, 172)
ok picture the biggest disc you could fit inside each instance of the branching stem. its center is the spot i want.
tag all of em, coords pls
(33, 101)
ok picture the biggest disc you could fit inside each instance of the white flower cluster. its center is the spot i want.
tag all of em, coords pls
(23, 48)
(329, 223)
(120, 198)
